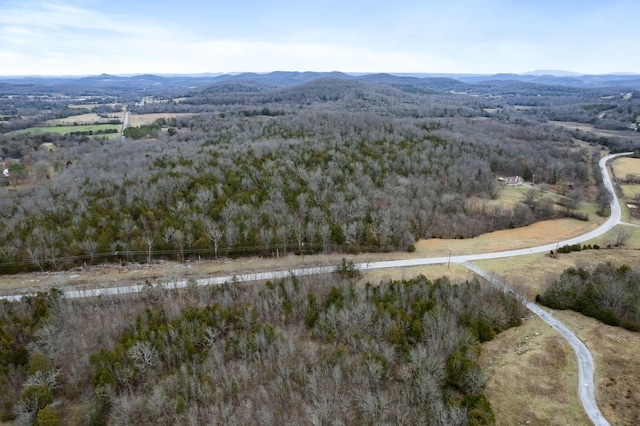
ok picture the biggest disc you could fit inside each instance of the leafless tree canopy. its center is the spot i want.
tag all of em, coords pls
(327, 165)
(312, 350)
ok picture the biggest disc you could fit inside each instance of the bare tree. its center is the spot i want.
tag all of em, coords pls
(215, 234)
(622, 235)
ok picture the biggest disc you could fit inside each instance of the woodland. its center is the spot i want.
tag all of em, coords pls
(309, 350)
(282, 165)
(326, 165)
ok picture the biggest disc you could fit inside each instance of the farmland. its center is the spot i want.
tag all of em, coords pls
(109, 130)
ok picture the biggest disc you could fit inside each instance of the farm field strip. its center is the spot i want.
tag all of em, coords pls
(63, 130)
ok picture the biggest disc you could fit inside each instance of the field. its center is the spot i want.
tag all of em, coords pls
(622, 168)
(136, 120)
(83, 120)
(532, 377)
(626, 166)
(613, 349)
(63, 130)
(592, 129)
(631, 191)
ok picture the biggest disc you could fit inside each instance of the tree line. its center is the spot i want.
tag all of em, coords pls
(607, 292)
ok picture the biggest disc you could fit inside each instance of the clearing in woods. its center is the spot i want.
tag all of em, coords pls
(136, 120)
(84, 119)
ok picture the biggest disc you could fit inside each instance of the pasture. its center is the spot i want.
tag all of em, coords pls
(64, 130)
(83, 120)
(136, 120)
(626, 166)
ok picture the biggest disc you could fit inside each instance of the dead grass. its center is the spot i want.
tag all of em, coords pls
(455, 273)
(530, 236)
(112, 275)
(136, 120)
(614, 349)
(626, 166)
(83, 119)
(615, 353)
(631, 191)
(530, 274)
(571, 125)
(532, 377)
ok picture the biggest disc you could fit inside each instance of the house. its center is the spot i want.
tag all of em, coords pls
(511, 181)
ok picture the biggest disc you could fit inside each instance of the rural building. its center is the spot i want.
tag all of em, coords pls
(48, 146)
(511, 181)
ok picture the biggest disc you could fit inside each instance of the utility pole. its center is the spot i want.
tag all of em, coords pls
(449, 260)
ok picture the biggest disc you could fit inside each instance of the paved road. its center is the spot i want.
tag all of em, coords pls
(585, 361)
(125, 121)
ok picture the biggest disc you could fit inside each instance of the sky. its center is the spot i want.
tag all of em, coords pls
(90, 37)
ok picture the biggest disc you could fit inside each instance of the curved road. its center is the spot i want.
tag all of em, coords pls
(585, 361)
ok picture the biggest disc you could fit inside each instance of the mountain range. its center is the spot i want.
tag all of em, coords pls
(279, 79)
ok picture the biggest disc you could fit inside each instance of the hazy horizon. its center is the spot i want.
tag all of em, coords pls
(555, 73)
(80, 37)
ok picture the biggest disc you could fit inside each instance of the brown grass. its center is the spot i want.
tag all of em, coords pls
(530, 274)
(532, 377)
(112, 275)
(614, 349)
(530, 236)
(626, 166)
(631, 191)
(83, 119)
(615, 353)
(571, 125)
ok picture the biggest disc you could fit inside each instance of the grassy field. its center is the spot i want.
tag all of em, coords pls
(83, 120)
(626, 166)
(631, 191)
(63, 130)
(532, 376)
(136, 120)
(535, 381)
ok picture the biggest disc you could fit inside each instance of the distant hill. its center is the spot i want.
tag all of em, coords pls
(417, 83)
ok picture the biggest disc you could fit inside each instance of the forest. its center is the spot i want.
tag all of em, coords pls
(280, 165)
(326, 165)
(302, 350)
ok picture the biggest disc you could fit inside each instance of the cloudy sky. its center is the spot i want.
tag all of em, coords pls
(80, 37)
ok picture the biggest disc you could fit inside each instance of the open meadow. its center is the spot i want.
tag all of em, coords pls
(65, 130)
(146, 119)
